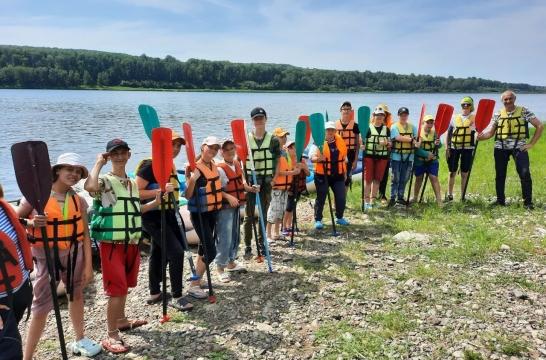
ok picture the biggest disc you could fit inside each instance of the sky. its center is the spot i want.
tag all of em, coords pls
(501, 40)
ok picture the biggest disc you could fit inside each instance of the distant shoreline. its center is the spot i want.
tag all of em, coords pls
(127, 88)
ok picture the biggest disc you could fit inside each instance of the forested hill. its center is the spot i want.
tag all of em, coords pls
(36, 67)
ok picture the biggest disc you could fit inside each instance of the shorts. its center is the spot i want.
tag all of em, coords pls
(430, 168)
(374, 169)
(465, 155)
(42, 303)
(276, 207)
(119, 267)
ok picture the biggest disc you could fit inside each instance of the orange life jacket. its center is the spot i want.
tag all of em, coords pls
(284, 182)
(235, 186)
(347, 134)
(340, 161)
(212, 191)
(11, 273)
(64, 226)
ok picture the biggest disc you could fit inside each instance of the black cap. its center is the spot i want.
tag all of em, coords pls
(257, 111)
(116, 143)
(346, 103)
(403, 110)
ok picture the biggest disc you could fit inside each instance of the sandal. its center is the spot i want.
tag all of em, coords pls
(115, 346)
(153, 299)
(132, 324)
(181, 304)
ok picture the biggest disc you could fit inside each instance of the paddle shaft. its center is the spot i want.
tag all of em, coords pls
(163, 257)
(469, 171)
(182, 228)
(294, 216)
(254, 230)
(435, 152)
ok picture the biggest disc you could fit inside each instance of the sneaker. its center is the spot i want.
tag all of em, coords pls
(449, 197)
(319, 225)
(85, 347)
(248, 253)
(224, 277)
(238, 268)
(402, 202)
(392, 202)
(367, 206)
(197, 292)
(529, 207)
(384, 200)
(286, 232)
(342, 221)
(181, 304)
(498, 203)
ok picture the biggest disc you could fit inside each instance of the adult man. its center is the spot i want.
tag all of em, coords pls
(349, 132)
(511, 129)
(265, 152)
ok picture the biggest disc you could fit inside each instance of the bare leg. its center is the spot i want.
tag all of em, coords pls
(37, 324)
(268, 229)
(75, 308)
(375, 188)
(199, 269)
(418, 183)
(367, 191)
(464, 179)
(436, 187)
(451, 182)
(287, 219)
(115, 311)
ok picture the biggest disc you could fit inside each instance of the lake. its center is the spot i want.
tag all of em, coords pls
(84, 121)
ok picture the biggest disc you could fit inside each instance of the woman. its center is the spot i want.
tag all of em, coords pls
(15, 290)
(234, 189)
(377, 155)
(330, 171)
(460, 144)
(204, 194)
(66, 227)
(151, 223)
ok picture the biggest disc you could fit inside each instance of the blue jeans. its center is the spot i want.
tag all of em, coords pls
(229, 236)
(401, 172)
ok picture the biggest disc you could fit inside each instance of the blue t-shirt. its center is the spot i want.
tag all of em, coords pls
(394, 133)
(7, 228)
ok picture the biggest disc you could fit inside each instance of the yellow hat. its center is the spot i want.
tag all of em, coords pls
(176, 137)
(280, 132)
(428, 118)
(383, 106)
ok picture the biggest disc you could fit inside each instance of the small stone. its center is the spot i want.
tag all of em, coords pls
(347, 336)
(458, 354)
(475, 306)
(520, 295)
(505, 247)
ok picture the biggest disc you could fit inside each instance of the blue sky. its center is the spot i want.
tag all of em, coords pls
(502, 40)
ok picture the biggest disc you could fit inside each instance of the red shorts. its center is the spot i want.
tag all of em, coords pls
(374, 169)
(119, 267)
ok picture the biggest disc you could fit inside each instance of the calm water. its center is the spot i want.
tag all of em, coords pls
(83, 121)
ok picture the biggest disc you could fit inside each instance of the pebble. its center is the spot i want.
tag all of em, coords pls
(505, 247)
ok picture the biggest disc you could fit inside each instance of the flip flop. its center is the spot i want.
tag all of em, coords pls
(115, 346)
(133, 324)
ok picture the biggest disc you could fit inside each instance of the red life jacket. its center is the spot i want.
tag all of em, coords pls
(235, 185)
(11, 273)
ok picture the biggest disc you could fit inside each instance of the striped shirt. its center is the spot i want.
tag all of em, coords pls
(510, 144)
(7, 228)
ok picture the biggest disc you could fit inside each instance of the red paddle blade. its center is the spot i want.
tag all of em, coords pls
(305, 118)
(162, 155)
(443, 118)
(240, 138)
(423, 109)
(190, 150)
(165, 319)
(486, 107)
(33, 172)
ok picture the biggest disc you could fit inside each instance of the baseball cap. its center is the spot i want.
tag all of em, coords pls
(176, 136)
(115, 144)
(346, 103)
(330, 125)
(378, 111)
(211, 140)
(289, 143)
(280, 132)
(257, 111)
(403, 110)
(226, 142)
(428, 118)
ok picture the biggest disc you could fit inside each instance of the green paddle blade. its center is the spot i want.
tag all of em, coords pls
(364, 113)
(317, 129)
(149, 118)
(301, 132)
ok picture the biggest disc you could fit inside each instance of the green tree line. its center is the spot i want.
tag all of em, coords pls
(37, 67)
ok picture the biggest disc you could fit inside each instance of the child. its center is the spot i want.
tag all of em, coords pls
(67, 229)
(426, 160)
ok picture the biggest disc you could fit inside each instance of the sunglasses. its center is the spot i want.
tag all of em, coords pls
(465, 105)
(346, 109)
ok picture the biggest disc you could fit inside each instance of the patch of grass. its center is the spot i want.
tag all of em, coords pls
(48, 345)
(310, 264)
(393, 322)
(509, 279)
(472, 355)
(354, 250)
(179, 317)
(513, 347)
(218, 355)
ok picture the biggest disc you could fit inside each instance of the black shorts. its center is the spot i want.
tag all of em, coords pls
(465, 156)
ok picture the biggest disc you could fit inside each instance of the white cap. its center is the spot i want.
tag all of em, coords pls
(71, 159)
(211, 140)
(379, 111)
(289, 143)
(330, 125)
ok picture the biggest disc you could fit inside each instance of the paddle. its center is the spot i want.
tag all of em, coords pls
(150, 121)
(241, 146)
(162, 163)
(190, 154)
(305, 118)
(364, 113)
(486, 107)
(319, 134)
(423, 109)
(441, 124)
(301, 134)
(149, 118)
(33, 174)
(258, 200)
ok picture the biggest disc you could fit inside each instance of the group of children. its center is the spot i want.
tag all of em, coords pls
(216, 189)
